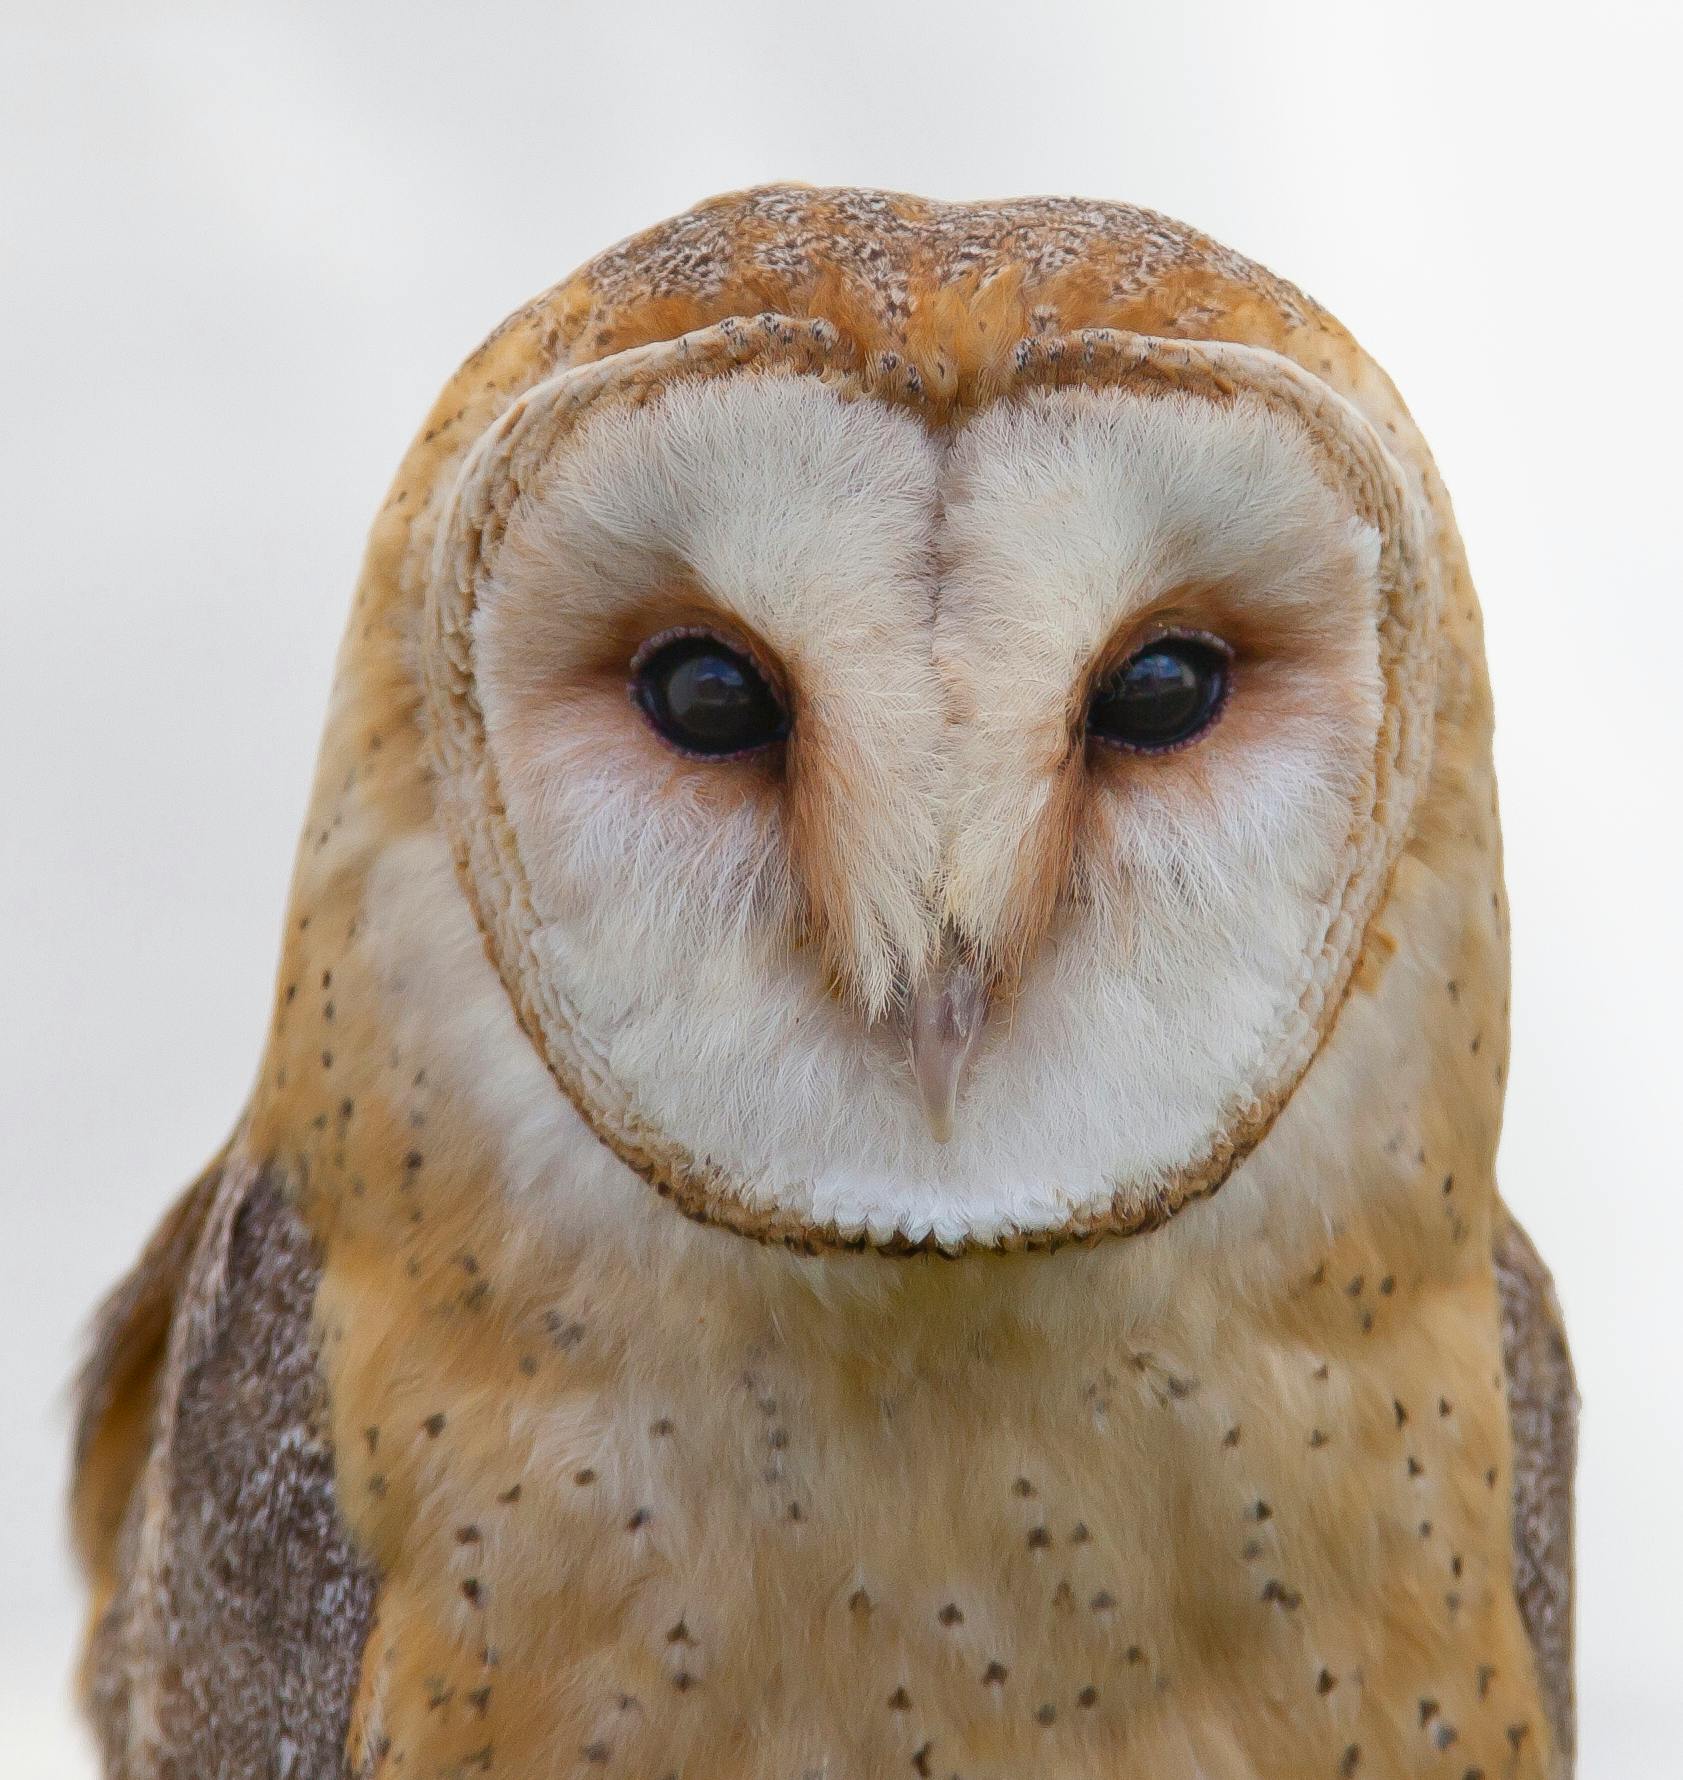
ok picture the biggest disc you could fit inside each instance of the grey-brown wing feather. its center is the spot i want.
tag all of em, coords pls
(231, 1609)
(1543, 1414)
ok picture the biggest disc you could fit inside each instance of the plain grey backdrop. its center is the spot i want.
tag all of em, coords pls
(243, 245)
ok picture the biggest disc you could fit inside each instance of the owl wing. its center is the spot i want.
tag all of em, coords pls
(118, 1388)
(229, 1609)
(1543, 1416)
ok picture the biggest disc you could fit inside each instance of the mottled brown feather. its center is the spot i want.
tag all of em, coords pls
(1543, 1411)
(231, 1610)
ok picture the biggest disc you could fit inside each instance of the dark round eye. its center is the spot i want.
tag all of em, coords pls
(1163, 695)
(705, 697)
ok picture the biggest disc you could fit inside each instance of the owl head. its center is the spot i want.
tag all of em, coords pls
(925, 702)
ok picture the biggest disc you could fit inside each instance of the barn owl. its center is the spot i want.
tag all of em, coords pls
(875, 1154)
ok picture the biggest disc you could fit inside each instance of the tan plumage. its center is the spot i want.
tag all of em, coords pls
(568, 1483)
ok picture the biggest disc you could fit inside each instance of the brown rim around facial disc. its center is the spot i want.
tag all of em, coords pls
(510, 458)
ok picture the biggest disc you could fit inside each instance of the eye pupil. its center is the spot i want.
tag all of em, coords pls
(706, 698)
(1162, 696)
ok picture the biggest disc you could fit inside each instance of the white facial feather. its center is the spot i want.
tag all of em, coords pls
(934, 605)
(810, 518)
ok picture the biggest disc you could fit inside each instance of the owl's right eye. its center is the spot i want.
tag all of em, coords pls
(704, 697)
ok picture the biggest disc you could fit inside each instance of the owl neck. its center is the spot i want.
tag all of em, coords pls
(1029, 1495)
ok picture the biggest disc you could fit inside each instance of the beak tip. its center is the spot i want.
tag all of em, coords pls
(946, 1021)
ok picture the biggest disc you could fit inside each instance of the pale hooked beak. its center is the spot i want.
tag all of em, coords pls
(944, 1022)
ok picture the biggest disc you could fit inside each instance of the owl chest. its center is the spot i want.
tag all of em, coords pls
(951, 1570)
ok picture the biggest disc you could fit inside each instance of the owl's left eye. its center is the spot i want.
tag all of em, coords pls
(1164, 695)
(705, 697)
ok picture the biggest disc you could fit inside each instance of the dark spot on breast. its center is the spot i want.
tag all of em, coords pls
(471, 1591)
(1039, 1538)
(434, 1424)
(950, 1615)
(899, 1700)
(1088, 1696)
(1326, 1681)
(994, 1675)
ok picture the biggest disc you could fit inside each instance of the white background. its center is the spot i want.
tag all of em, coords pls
(245, 243)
